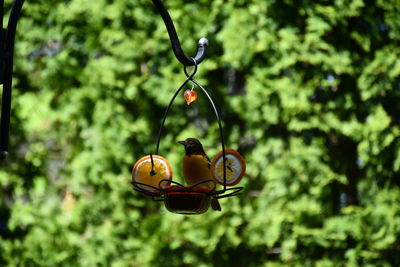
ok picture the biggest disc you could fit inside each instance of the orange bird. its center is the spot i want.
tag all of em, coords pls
(196, 166)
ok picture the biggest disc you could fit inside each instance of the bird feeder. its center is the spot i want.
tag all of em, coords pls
(177, 198)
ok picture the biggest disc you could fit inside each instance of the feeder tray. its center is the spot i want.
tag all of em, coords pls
(186, 200)
(177, 198)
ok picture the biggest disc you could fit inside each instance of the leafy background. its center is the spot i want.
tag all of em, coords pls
(309, 92)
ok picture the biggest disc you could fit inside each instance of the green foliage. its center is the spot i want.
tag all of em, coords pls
(309, 92)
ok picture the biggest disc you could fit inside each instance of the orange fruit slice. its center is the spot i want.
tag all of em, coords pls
(235, 167)
(142, 172)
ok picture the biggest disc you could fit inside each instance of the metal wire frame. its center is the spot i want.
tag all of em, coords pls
(214, 193)
(160, 191)
(7, 39)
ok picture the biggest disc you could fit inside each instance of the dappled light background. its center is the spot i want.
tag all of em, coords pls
(309, 94)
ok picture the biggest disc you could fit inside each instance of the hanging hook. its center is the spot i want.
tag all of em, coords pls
(191, 75)
(6, 68)
(176, 45)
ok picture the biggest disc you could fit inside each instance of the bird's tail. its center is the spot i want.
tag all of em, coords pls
(215, 204)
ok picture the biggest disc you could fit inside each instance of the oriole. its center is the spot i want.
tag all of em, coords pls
(196, 166)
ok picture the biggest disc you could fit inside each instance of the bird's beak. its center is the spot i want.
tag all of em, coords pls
(182, 142)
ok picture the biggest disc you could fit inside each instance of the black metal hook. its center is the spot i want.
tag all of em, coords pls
(176, 45)
(7, 38)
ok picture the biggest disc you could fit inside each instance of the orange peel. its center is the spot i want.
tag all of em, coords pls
(142, 172)
(235, 167)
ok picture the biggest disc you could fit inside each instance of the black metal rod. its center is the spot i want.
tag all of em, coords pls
(221, 133)
(166, 115)
(235, 190)
(8, 72)
(189, 77)
(176, 45)
(2, 41)
(1, 13)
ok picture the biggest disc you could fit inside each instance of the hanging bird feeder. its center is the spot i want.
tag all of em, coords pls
(152, 175)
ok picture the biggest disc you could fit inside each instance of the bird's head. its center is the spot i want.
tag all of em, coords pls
(192, 146)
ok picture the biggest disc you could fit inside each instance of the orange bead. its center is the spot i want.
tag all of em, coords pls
(190, 96)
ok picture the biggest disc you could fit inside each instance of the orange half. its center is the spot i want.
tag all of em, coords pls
(144, 173)
(235, 167)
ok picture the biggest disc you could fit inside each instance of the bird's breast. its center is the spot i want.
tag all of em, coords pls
(195, 169)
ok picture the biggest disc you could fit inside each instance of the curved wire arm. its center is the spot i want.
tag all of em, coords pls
(219, 193)
(189, 77)
(7, 38)
(176, 45)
